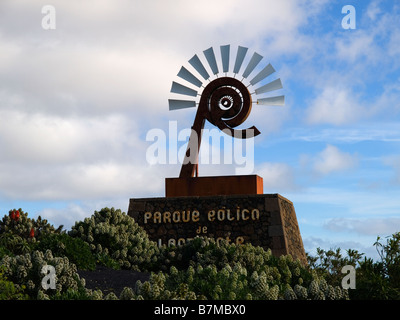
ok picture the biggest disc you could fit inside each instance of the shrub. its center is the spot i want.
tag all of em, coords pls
(25, 272)
(374, 280)
(110, 232)
(203, 269)
(12, 244)
(380, 280)
(17, 223)
(8, 290)
(230, 284)
(75, 249)
(208, 251)
(390, 259)
(18, 233)
(200, 269)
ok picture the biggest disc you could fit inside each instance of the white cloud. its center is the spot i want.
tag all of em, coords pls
(380, 132)
(355, 202)
(67, 216)
(373, 41)
(49, 139)
(77, 101)
(334, 105)
(87, 181)
(312, 243)
(47, 157)
(373, 10)
(358, 46)
(278, 177)
(107, 57)
(331, 159)
(371, 226)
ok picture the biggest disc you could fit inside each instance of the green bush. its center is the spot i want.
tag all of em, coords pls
(207, 251)
(112, 233)
(380, 280)
(390, 260)
(25, 272)
(230, 284)
(75, 249)
(8, 290)
(24, 227)
(203, 269)
(19, 234)
(375, 280)
(12, 244)
(199, 269)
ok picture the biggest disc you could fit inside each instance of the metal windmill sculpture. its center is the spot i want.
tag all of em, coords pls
(225, 102)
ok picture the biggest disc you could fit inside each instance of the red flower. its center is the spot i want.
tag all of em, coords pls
(32, 233)
(12, 215)
(16, 215)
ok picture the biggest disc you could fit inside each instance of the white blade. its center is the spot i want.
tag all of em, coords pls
(196, 63)
(180, 104)
(268, 70)
(225, 57)
(241, 53)
(188, 76)
(272, 86)
(210, 56)
(272, 101)
(255, 59)
(178, 88)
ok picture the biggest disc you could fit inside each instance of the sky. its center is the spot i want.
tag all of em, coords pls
(80, 92)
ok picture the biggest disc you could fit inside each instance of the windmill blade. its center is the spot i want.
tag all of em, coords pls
(241, 53)
(180, 104)
(225, 57)
(272, 101)
(210, 56)
(271, 86)
(254, 61)
(268, 70)
(189, 77)
(181, 89)
(196, 63)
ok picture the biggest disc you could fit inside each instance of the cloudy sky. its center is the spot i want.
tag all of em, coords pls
(77, 101)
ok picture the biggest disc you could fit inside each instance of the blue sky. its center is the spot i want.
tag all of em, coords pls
(76, 103)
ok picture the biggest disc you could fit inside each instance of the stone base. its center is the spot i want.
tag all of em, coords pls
(213, 186)
(266, 220)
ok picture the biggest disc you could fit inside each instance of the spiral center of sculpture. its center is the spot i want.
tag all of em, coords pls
(226, 103)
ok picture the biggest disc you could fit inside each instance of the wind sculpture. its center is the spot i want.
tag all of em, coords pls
(225, 102)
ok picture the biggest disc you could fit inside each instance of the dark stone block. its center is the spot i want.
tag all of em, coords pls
(266, 220)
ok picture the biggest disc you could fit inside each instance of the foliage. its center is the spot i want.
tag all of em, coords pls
(228, 271)
(25, 271)
(378, 280)
(199, 269)
(73, 294)
(229, 284)
(110, 232)
(24, 227)
(11, 244)
(390, 259)
(75, 249)
(381, 280)
(329, 264)
(18, 233)
(8, 290)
